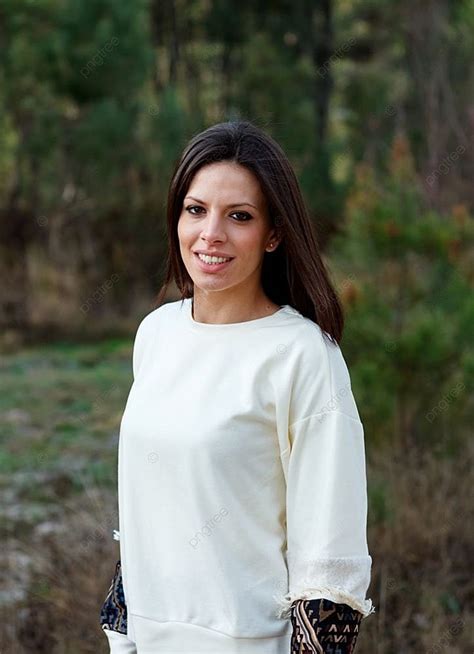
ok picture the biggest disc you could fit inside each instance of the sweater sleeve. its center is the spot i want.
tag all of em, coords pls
(119, 643)
(323, 460)
(113, 614)
(143, 342)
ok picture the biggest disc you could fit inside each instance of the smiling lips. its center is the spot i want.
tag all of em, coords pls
(213, 258)
(212, 262)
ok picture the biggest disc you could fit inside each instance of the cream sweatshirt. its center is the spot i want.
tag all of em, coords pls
(242, 483)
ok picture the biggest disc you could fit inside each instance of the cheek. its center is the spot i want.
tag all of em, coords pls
(188, 230)
(251, 244)
(183, 230)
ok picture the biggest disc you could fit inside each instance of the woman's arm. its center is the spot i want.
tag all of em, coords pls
(323, 458)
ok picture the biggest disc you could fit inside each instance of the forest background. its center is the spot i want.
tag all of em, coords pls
(373, 102)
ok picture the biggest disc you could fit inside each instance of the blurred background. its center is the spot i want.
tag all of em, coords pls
(373, 103)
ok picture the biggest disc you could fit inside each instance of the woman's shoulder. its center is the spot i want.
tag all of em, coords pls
(317, 364)
(147, 333)
(307, 337)
(156, 316)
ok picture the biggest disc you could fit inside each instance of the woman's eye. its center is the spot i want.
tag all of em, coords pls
(244, 215)
(192, 207)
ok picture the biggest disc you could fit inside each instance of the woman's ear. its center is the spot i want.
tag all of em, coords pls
(273, 242)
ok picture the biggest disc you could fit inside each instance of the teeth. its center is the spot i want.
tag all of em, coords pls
(207, 259)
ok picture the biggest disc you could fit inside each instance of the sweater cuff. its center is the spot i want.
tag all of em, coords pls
(119, 643)
(342, 580)
(321, 625)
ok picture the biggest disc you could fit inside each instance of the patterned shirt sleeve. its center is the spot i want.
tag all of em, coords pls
(113, 616)
(321, 626)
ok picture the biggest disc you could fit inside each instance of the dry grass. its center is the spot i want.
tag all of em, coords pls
(71, 570)
(422, 545)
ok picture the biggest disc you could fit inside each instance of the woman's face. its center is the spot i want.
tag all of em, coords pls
(225, 212)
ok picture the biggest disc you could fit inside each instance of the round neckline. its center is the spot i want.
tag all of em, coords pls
(212, 326)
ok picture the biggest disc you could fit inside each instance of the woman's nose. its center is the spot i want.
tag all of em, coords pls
(213, 228)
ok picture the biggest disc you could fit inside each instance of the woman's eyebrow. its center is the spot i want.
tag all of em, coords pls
(229, 206)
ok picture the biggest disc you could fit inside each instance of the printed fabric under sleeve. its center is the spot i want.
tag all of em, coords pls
(113, 616)
(323, 459)
(324, 627)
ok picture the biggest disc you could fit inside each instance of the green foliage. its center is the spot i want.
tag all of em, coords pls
(406, 275)
(72, 74)
(380, 503)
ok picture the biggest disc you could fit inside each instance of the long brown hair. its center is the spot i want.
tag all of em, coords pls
(295, 272)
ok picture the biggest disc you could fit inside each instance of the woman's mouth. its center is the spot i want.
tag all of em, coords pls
(211, 264)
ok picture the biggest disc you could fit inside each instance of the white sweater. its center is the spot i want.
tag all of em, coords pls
(242, 483)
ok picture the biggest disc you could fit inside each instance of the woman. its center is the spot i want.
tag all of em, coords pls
(242, 482)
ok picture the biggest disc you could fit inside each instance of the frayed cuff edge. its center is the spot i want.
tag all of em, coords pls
(334, 594)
